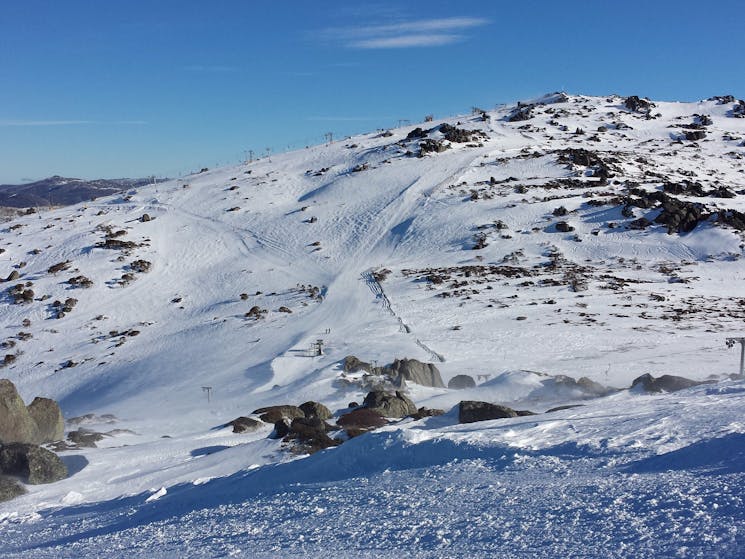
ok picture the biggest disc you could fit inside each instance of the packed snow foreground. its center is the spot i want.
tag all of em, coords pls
(539, 258)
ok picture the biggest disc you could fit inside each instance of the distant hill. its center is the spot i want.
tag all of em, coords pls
(62, 191)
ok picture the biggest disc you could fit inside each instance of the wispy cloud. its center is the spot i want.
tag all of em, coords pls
(404, 41)
(67, 122)
(405, 34)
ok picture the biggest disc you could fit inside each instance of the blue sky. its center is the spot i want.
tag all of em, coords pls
(95, 88)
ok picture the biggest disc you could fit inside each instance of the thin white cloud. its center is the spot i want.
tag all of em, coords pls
(406, 41)
(66, 122)
(405, 34)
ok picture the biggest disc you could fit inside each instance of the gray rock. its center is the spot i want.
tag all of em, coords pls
(461, 382)
(389, 405)
(34, 463)
(424, 374)
(361, 419)
(47, 415)
(272, 414)
(245, 424)
(10, 489)
(665, 383)
(85, 438)
(315, 409)
(471, 412)
(353, 364)
(16, 424)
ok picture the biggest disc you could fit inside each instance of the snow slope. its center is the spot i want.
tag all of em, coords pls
(626, 475)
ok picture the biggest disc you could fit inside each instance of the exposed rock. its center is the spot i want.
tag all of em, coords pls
(417, 133)
(311, 433)
(521, 112)
(563, 227)
(245, 424)
(389, 405)
(361, 418)
(461, 382)
(281, 428)
(353, 364)
(665, 383)
(471, 412)
(424, 374)
(33, 463)
(680, 216)
(565, 407)
(426, 412)
(85, 438)
(10, 489)
(47, 415)
(272, 414)
(316, 409)
(634, 103)
(16, 424)
(693, 135)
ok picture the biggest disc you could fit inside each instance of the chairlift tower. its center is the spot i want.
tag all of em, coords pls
(731, 343)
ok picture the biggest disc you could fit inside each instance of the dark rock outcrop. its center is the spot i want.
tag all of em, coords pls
(361, 418)
(245, 424)
(694, 135)
(272, 414)
(636, 104)
(85, 438)
(665, 383)
(316, 409)
(388, 404)
(31, 462)
(310, 434)
(471, 411)
(461, 382)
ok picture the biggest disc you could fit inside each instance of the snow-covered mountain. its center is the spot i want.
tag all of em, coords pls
(62, 191)
(559, 238)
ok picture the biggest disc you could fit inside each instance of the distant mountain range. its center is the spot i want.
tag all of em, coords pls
(62, 191)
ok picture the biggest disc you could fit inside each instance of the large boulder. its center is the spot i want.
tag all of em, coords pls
(461, 382)
(424, 374)
(361, 419)
(665, 383)
(272, 414)
(353, 364)
(10, 489)
(316, 409)
(389, 404)
(47, 415)
(245, 424)
(471, 412)
(310, 434)
(31, 462)
(16, 424)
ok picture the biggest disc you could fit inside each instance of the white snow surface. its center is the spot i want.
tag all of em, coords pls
(625, 475)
